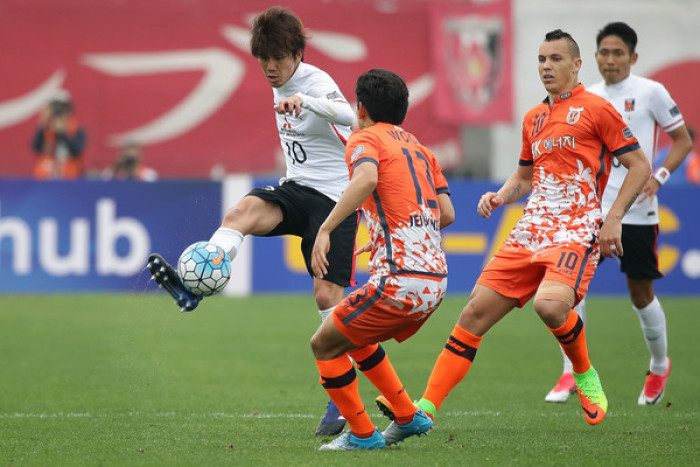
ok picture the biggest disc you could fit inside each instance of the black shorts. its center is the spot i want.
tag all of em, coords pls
(304, 210)
(640, 259)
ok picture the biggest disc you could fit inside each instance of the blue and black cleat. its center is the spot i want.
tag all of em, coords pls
(166, 278)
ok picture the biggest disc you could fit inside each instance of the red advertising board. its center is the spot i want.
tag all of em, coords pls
(178, 76)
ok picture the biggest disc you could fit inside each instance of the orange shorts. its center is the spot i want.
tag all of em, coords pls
(392, 307)
(517, 273)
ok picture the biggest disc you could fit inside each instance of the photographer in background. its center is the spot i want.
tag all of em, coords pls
(128, 165)
(59, 141)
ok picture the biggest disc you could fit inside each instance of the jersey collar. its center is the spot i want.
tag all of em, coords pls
(574, 92)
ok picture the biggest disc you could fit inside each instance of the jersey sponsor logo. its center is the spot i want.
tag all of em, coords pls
(357, 152)
(629, 105)
(566, 95)
(573, 115)
(627, 133)
(674, 111)
(334, 95)
(547, 145)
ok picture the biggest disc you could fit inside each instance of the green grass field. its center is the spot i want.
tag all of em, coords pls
(116, 380)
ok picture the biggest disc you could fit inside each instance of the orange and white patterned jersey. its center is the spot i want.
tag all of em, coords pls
(402, 213)
(570, 145)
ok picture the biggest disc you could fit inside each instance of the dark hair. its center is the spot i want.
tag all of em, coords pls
(277, 32)
(621, 30)
(384, 94)
(558, 34)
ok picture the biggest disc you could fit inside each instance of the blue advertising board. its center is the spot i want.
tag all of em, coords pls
(91, 236)
(471, 240)
(95, 236)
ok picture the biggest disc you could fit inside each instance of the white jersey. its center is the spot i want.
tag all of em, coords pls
(314, 142)
(645, 105)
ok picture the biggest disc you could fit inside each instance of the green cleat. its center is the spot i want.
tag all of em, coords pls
(590, 392)
(387, 410)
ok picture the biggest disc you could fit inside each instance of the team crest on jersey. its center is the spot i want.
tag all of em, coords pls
(356, 153)
(573, 115)
(629, 105)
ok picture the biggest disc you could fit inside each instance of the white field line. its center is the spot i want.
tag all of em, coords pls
(136, 414)
(214, 415)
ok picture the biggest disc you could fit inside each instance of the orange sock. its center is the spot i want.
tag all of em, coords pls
(375, 365)
(572, 338)
(339, 379)
(452, 365)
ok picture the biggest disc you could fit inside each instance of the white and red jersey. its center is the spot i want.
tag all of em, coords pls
(402, 214)
(314, 145)
(645, 105)
(571, 146)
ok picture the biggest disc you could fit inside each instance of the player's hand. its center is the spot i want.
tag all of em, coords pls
(319, 263)
(651, 187)
(366, 248)
(289, 105)
(487, 203)
(610, 239)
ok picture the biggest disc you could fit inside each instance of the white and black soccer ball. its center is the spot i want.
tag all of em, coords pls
(204, 268)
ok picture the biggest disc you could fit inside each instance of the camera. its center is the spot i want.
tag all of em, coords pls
(58, 109)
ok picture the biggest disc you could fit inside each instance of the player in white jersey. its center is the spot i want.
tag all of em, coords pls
(646, 106)
(314, 121)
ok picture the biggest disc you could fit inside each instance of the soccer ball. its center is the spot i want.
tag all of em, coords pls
(204, 268)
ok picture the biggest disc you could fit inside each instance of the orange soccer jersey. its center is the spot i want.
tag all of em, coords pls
(570, 146)
(402, 214)
(408, 268)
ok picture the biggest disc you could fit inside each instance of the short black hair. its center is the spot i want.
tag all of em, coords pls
(621, 30)
(558, 34)
(277, 32)
(384, 94)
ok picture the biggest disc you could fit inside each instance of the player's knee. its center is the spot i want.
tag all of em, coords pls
(641, 298)
(327, 294)
(553, 301)
(473, 318)
(322, 348)
(317, 346)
